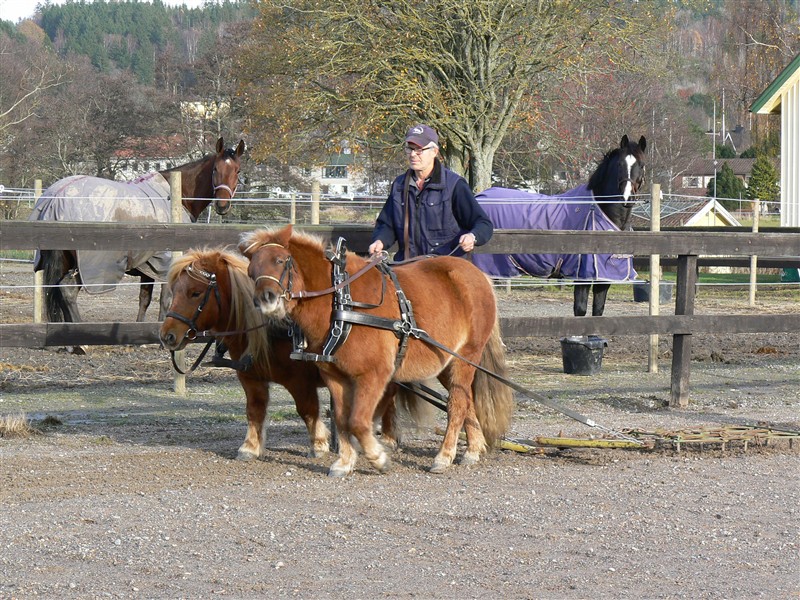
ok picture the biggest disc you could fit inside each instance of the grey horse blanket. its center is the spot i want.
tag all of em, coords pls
(81, 198)
(572, 210)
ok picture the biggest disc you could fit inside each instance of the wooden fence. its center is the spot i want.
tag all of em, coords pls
(685, 246)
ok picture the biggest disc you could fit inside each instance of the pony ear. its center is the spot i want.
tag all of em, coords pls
(220, 145)
(240, 148)
(624, 142)
(284, 234)
(642, 143)
(246, 244)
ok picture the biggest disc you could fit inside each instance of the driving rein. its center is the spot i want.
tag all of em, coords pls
(343, 318)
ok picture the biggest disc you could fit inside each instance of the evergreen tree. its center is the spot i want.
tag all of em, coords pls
(763, 184)
(730, 189)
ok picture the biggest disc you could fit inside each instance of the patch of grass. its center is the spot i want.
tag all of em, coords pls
(17, 254)
(282, 415)
(103, 440)
(16, 426)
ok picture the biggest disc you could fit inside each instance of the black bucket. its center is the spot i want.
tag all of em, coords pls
(641, 291)
(582, 355)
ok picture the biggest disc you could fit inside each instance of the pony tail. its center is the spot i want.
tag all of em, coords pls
(494, 400)
(53, 295)
(421, 413)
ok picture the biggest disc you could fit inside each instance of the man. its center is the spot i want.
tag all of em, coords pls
(430, 209)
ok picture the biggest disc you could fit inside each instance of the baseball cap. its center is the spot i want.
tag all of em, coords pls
(422, 135)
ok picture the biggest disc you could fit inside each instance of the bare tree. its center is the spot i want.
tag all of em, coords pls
(318, 72)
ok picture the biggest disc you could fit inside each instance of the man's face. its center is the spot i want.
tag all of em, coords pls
(420, 159)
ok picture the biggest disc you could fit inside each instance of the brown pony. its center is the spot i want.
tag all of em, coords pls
(212, 292)
(452, 301)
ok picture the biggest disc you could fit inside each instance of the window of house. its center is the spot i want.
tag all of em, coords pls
(691, 182)
(335, 172)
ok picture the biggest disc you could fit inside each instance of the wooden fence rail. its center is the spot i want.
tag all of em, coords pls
(685, 246)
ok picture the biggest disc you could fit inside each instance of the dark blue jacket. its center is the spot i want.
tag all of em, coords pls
(439, 215)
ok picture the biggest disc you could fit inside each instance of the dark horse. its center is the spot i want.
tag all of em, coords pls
(604, 203)
(81, 198)
(212, 292)
(452, 301)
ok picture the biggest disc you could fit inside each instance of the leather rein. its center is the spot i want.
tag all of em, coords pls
(403, 328)
(193, 332)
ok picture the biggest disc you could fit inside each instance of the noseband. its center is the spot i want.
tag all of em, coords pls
(287, 273)
(191, 333)
(222, 186)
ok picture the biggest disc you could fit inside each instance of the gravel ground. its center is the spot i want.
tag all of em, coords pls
(130, 491)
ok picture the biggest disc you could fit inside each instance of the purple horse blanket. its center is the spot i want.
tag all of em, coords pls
(575, 210)
(81, 198)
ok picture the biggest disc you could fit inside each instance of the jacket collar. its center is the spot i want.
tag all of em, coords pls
(436, 178)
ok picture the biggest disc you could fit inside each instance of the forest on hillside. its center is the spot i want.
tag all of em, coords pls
(520, 96)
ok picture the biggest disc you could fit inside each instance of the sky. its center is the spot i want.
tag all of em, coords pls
(16, 10)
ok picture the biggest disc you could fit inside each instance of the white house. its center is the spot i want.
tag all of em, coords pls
(783, 97)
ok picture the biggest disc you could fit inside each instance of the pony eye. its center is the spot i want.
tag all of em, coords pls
(195, 294)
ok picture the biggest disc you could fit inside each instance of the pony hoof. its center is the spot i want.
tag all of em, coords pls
(390, 443)
(246, 456)
(439, 466)
(470, 458)
(383, 463)
(338, 472)
(319, 451)
(77, 350)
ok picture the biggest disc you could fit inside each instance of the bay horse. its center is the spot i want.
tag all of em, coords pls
(604, 203)
(452, 301)
(212, 292)
(213, 178)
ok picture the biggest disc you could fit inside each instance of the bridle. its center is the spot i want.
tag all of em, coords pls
(222, 186)
(287, 291)
(287, 273)
(211, 278)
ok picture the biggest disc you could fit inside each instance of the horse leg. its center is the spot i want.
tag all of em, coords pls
(69, 304)
(387, 409)
(457, 378)
(257, 394)
(145, 297)
(599, 298)
(368, 393)
(340, 398)
(306, 400)
(580, 299)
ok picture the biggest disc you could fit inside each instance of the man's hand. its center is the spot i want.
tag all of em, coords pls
(375, 247)
(467, 242)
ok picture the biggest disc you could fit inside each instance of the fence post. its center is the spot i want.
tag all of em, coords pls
(315, 196)
(655, 275)
(293, 210)
(38, 276)
(176, 199)
(754, 258)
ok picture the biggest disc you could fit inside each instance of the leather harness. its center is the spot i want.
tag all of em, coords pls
(343, 316)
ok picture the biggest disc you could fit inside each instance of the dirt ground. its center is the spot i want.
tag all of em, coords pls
(130, 491)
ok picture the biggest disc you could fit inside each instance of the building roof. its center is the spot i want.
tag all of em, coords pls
(705, 166)
(770, 99)
(682, 212)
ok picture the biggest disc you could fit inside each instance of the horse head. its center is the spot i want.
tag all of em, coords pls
(272, 269)
(194, 280)
(225, 175)
(618, 178)
(631, 167)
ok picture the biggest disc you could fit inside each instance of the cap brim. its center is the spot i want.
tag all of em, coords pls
(418, 140)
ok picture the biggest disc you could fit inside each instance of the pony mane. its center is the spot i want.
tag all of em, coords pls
(265, 235)
(244, 314)
(599, 175)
